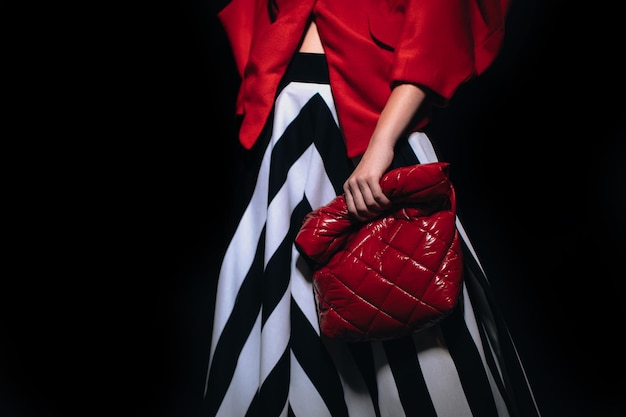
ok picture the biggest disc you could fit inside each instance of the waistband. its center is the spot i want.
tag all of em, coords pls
(307, 67)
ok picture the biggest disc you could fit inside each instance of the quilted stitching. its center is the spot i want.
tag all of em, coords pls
(395, 275)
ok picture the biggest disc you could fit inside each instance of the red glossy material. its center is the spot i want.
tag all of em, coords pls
(395, 275)
(370, 45)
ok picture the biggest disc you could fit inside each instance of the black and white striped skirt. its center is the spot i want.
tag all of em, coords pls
(266, 355)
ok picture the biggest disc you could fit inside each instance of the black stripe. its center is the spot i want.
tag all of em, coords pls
(312, 355)
(305, 207)
(298, 136)
(277, 275)
(364, 359)
(410, 382)
(278, 270)
(246, 171)
(236, 331)
(306, 67)
(403, 154)
(330, 145)
(272, 397)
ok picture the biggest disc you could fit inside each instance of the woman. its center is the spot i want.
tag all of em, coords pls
(333, 94)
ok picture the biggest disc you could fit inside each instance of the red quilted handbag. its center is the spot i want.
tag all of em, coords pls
(394, 275)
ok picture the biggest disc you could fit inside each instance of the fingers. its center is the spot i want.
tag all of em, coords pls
(365, 198)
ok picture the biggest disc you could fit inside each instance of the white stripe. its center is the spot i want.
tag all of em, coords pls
(319, 189)
(423, 148)
(472, 325)
(290, 101)
(440, 374)
(239, 255)
(240, 252)
(302, 289)
(275, 335)
(244, 384)
(279, 211)
(303, 396)
(388, 395)
(301, 285)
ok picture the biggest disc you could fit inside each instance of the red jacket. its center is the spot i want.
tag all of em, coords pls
(370, 45)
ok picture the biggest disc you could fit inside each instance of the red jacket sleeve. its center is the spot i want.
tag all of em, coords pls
(238, 19)
(443, 43)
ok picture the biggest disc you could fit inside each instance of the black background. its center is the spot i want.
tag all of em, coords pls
(119, 154)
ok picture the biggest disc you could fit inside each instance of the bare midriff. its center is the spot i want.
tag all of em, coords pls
(311, 42)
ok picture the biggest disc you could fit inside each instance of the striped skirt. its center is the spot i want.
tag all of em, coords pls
(266, 354)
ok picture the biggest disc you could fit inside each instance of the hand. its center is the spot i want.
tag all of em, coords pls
(364, 196)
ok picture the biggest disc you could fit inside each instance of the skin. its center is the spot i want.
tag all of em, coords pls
(363, 194)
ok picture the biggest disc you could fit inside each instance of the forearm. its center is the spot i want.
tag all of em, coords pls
(403, 103)
(364, 196)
